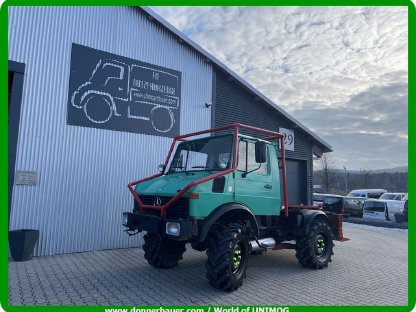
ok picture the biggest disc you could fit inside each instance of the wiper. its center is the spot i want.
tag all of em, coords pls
(180, 167)
(177, 167)
(202, 167)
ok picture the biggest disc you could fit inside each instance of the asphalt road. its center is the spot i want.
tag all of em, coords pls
(370, 269)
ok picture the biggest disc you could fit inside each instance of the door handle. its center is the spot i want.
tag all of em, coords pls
(268, 186)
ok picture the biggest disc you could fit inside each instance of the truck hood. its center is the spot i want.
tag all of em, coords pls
(169, 184)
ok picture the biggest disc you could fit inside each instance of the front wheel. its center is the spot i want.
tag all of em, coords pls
(98, 108)
(228, 254)
(161, 252)
(314, 250)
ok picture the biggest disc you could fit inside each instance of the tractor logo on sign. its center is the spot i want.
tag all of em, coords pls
(127, 95)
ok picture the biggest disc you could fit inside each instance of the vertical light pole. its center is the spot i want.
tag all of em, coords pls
(346, 181)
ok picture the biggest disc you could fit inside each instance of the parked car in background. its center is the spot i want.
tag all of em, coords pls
(374, 209)
(367, 193)
(402, 216)
(405, 206)
(353, 202)
(333, 203)
(395, 203)
(318, 198)
(393, 196)
(318, 189)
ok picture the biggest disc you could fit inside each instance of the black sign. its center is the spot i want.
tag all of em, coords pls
(109, 91)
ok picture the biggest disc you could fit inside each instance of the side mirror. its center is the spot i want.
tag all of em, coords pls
(260, 152)
(161, 168)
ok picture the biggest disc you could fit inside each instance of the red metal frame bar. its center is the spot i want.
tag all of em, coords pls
(284, 182)
(305, 207)
(235, 127)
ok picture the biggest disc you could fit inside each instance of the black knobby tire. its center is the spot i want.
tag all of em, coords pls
(314, 250)
(161, 252)
(228, 254)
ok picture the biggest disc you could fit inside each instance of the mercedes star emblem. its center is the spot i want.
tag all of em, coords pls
(157, 201)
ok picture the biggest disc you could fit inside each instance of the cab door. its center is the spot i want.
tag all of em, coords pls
(254, 185)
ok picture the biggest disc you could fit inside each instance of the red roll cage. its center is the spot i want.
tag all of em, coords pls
(235, 127)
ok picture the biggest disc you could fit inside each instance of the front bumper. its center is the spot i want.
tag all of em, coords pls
(155, 224)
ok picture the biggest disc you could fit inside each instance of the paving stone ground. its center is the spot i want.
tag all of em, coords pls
(370, 269)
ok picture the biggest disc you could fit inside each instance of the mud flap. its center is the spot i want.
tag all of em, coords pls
(335, 221)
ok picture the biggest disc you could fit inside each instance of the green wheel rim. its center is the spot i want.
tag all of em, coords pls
(236, 262)
(320, 245)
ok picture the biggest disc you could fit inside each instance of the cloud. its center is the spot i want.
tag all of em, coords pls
(370, 127)
(341, 71)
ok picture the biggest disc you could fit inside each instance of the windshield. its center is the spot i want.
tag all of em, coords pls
(331, 200)
(373, 206)
(387, 196)
(207, 154)
(352, 194)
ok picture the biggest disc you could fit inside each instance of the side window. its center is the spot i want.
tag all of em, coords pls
(398, 197)
(114, 72)
(108, 73)
(247, 160)
(242, 156)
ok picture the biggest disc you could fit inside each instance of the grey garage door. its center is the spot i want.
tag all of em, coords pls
(296, 181)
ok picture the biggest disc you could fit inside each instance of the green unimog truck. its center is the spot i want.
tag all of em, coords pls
(225, 193)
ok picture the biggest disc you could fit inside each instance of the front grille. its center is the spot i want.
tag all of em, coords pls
(179, 209)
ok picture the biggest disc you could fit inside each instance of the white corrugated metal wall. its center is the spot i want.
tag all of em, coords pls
(84, 171)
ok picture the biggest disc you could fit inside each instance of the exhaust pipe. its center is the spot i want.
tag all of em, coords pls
(265, 243)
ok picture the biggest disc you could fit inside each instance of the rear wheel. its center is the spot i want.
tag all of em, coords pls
(228, 255)
(161, 252)
(315, 249)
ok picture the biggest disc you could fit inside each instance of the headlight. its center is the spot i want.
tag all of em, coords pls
(125, 219)
(173, 228)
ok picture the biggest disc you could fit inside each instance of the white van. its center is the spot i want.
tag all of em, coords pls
(382, 209)
(374, 209)
(395, 202)
(367, 193)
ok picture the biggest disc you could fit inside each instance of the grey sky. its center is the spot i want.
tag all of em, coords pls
(341, 71)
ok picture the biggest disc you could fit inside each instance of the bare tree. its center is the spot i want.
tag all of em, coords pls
(366, 175)
(325, 170)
